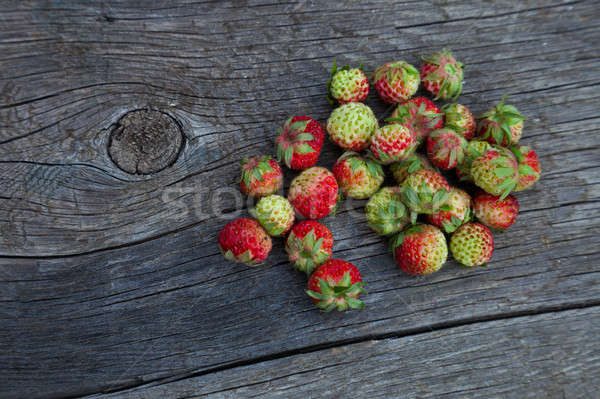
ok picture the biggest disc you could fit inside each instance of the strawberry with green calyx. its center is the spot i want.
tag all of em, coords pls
(494, 212)
(420, 115)
(336, 284)
(244, 240)
(496, 171)
(347, 85)
(475, 148)
(386, 214)
(396, 82)
(392, 143)
(446, 148)
(299, 142)
(401, 169)
(457, 212)
(309, 245)
(314, 193)
(529, 166)
(275, 214)
(442, 75)
(351, 126)
(261, 176)
(472, 244)
(357, 177)
(460, 119)
(420, 249)
(502, 125)
(424, 191)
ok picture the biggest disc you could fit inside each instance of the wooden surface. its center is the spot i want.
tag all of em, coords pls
(112, 282)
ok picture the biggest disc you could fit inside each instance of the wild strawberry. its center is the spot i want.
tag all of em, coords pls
(424, 191)
(442, 75)
(299, 142)
(336, 284)
(392, 143)
(460, 119)
(351, 125)
(502, 125)
(496, 171)
(494, 212)
(420, 115)
(260, 176)
(420, 249)
(472, 244)
(386, 214)
(529, 166)
(308, 245)
(314, 193)
(475, 148)
(347, 85)
(401, 169)
(455, 212)
(396, 82)
(244, 240)
(275, 214)
(446, 148)
(357, 177)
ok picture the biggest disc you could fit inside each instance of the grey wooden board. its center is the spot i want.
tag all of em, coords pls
(109, 280)
(552, 355)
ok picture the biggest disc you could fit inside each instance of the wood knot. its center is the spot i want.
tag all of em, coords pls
(145, 141)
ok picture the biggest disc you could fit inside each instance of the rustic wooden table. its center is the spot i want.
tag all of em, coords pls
(112, 285)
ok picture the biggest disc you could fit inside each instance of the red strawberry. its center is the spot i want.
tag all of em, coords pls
(458, 118)
(392, 143)
(502, 125)
(396, 82)
(495, 212)
(446, 148)
(347, 85)
(529, 166)
(456, 212)
(299, 142)
(336, 284)
(424, 191)
(314, 193)
(472, 244)
(244, 240)
(308, 245)
(261, 176)
(420, 249)
(357, 177)
(442, 75)
(420, 115)
(401, 169)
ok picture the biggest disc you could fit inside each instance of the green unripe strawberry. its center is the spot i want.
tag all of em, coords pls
(401, 169)
(424, 191)
(472, 244)
(275, 214)
(357, 177)
(475, 148)
(386, 214)
(496, 171)
(460, 119)
(347, 85)
(351, 126)
(456, 212)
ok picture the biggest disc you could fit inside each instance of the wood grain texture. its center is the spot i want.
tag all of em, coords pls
(110, 280)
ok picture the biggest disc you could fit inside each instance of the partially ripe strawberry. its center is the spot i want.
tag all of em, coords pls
(401, 169)
(347, 85)
(460, 119)
(502, 125)
(529, 166)
(454, 213)
(494, 212)
(386, 214)
(299, 142)
(424, 191)
(446, 148)
(475, 148)
(336, 284)
(496, 171)
(392, 143)
(357, 177)
(244, 240)
(261, 176)
(275, 214)
(396, 82)
(351, 126)
(442, 75)
(309, 245)
(420, 115)
(472, 244)
(420, 249)
(314, 193)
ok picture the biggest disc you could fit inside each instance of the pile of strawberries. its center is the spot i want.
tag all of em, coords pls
(485, 155)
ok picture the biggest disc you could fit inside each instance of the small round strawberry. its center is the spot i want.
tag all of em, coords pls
(336, 284)
(299, 142)
(529, 166)
(386, 214)
(454, 213)
(314, 193)
(261, 176)
(244, 240)
(442, 75)
(347, 85)
(424, 191)
(396, 82)
(357, 177)
(460, 119)
(472, 244)
(502, 125)
(351, 125)
(420, 249)
(275, 214)
(496, 171)
(420, 115)
(309, 245)
(392, 143)
(401, 169)
(494, 212)
(446, 148)
(475, 148)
